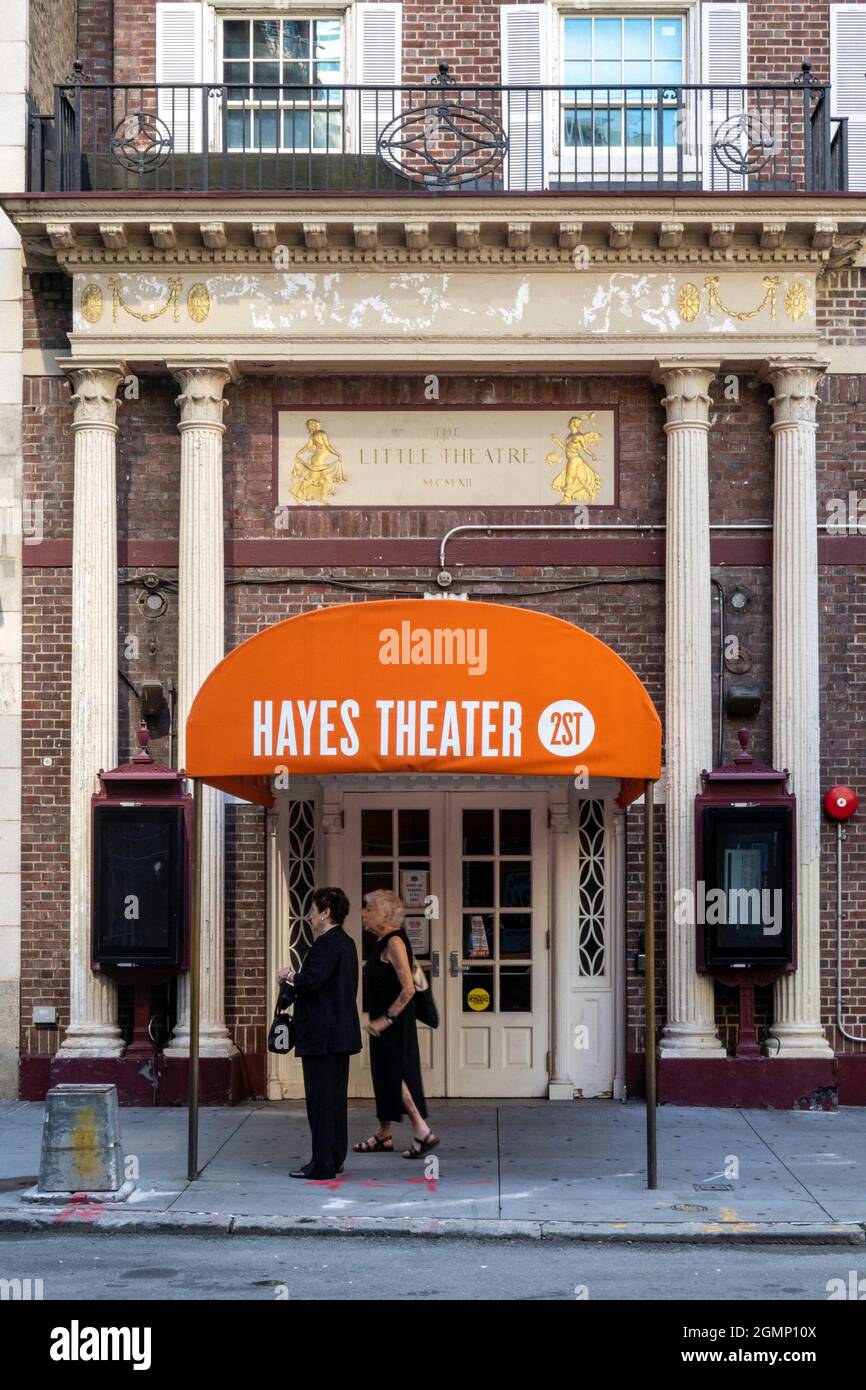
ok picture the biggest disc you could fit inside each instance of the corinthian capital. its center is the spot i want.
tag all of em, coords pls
(201, 393)
(795, 388)
(94, 394)
(687, 391)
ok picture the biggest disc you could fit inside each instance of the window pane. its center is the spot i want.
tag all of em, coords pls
(478, 832)
(266, 38)
(296, 136)
(237, 130)
(577, 128)
(607, 73)
(330, 123)
(413, 831)
(376, 876)
(639, 127)
(608, 38)
(328, 39)
(515, 883)
(608, 128)
(515, 831)
(668, 38)
(477, 884)
(478, 991)
(477, 935)
(668, 72)
(238, 72)
(326, 72)
(236, 38)
(266, 72)
(515, 990)
(515, 934)
(637, 72)
(296, 38)
(637, 38)
(296, 74)
(578, 72)
(265, 129)
(376, 825)
(578, 38)
(669, 126)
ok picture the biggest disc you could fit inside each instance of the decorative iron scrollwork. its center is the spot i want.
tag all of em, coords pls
(743, 143)
(444, 142)
(141, 142)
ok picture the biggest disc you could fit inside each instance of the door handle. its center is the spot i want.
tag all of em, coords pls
(455, 967)
(434, 965)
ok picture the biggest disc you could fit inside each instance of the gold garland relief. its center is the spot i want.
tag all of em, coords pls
(118, 302)
(796, 300)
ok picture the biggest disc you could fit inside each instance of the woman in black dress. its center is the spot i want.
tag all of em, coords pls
(389, 1000)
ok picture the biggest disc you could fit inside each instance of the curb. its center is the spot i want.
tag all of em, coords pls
(90, 1219)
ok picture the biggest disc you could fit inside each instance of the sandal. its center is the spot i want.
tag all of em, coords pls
(421, 1146)
(374, 1144)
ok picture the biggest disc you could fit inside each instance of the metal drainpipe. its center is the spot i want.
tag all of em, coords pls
(852, 1037)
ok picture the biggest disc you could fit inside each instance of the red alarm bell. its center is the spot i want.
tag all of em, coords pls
(840, 803)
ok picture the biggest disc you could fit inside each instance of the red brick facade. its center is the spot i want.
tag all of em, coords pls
(629, 616)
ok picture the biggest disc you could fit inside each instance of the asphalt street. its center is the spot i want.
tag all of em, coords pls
(76, 1266)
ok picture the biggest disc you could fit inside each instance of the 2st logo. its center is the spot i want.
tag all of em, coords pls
(566, 728)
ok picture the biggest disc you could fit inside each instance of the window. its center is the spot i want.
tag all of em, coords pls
(278, 73)
(604, 51)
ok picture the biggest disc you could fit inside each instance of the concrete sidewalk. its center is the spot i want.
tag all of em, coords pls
(508, 1168)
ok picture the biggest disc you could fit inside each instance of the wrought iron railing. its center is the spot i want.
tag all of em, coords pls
(443, 137)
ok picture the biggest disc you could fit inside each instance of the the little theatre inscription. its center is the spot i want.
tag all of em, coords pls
(428, 457)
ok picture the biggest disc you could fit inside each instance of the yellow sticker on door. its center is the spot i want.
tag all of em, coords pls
(478, 999)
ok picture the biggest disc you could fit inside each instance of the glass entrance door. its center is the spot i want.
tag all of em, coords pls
(472, 870)
(497, 945)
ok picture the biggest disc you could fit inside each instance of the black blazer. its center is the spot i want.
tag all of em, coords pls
(326, 986)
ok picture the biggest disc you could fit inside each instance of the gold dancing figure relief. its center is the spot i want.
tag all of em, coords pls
(578, 481)
(314, 476)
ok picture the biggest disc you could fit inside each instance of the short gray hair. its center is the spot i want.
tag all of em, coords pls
(389, 904)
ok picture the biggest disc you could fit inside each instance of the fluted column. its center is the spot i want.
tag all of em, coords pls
(201, 645)
(93, 1030)
(690, 1030)
(560, 1086)
(796, 729)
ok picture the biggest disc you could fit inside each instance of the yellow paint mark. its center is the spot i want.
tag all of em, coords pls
(83, 1142)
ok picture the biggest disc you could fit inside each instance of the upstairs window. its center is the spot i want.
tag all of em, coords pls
(301, 57)
(604, 51)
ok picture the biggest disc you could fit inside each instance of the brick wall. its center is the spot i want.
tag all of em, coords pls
(781, 34)
(53, 34)
(96, 39)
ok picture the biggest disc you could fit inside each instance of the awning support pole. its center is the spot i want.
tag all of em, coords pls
(650, 986)
(195, 986)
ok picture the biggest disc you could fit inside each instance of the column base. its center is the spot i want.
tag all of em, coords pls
(92, 1040)
(686, 1040)
(749, 1083)
(797, 1040)
(214, 1041)
(560, 1090)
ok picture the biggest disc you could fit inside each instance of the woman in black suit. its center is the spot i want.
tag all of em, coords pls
(327, 1030)
(389, 998)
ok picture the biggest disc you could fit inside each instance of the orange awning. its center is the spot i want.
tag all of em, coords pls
(421, 686)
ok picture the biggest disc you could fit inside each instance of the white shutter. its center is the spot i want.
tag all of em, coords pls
(524, 64)
(179, 61)
(378, 63)
(848, 76)
(724, 61)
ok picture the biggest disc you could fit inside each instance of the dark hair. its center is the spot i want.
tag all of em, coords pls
(334, 901)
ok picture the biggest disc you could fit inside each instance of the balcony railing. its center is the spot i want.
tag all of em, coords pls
(442, 138)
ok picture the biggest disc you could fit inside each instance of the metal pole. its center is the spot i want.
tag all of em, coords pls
(195, 985)
(650, 987)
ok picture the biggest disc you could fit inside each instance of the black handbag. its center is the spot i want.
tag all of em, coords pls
(281, 1035)
(425, 1004)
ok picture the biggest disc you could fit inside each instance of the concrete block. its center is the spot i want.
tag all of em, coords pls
(81, 1144)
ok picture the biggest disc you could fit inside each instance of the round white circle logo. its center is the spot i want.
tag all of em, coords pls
(566, 728)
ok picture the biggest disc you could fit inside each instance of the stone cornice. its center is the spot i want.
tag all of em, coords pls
(387, 258)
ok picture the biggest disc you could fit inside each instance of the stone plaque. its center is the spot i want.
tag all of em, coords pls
(427, 457)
